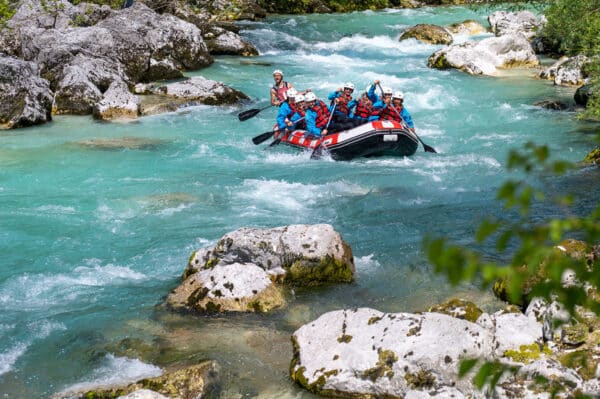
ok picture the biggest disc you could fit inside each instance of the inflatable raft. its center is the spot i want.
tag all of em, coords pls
(373, 139)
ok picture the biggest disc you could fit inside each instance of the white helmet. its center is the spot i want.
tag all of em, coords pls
(387, 90)
(277, 72)
(291, 92)
(299, 98)
(349, 85)
(310, 96)
(398, 95)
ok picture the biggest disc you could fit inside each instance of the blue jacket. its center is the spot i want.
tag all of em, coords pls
(311, 122)
(285, 111)
(405, 115)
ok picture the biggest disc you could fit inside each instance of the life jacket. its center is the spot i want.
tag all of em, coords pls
(363, 110)
(342, 105)
(322, 114)
(301, 124)
(281, 92)
(389, 113)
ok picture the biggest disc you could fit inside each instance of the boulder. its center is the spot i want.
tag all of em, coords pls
(552, 104)
(239, 272)
(583, 94)
(525, 22)
(593, 157)
(190, 382)
(236, 10)
(117, 102)
(428, 33)
(25, 97)
(567, 71)
(224, 42)
(202, 90)
(367, 353)
(468, 27)
(484, 57)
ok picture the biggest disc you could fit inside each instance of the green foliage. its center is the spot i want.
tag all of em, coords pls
(7, 10)
(573, 27)
(533, 248)
(114, 4)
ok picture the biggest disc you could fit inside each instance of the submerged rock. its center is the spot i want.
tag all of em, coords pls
(428, 33)
(121, 143)
(484, 57)
(552, 104)
(25, 97)
(593, 157)
(239, 273)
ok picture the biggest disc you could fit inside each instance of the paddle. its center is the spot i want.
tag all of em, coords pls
(262, 137)
(426, 147)
(277, 141)
(318, 151)
(245, 115)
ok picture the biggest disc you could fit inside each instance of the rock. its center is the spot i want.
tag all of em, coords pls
(551, 104)
(201, 91)
(121, 143)
(468, 27)
(25, 97)
(428, 33)
(458, 308)
(223, 42)
(484, 57)
(240, 9)
(366, 353)
(593, 157)
(525, 22)
(191, 382)
(526, 382)
(566, 71)
(117, 102)
(82, 83)
(240, 272)
(583, 94)
(233, 288)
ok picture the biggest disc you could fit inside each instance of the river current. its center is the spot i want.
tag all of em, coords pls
(93, 239)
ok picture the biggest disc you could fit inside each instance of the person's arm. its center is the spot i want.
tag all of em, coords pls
(379, 105)
(407, 118)
(371, 94)
(274, 100)
(334, 94)
(284, 111)
(310, 120)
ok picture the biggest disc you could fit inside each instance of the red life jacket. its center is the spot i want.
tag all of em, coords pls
(322, 114)
(342, 105)
(281, 92)
(389, 113)
(363, 110)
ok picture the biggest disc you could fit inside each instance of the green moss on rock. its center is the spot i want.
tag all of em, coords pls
(527, 353)
(593, 157)
(459, 308)
(584, 362)
(420, 380)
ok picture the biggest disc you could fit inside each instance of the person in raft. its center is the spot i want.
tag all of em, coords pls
(289, 111)
(394, 110)
(344, 103)
(317, 118)
(364, 111)
(279, 89)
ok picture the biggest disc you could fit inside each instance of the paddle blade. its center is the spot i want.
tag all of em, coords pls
(262, 137)
(428, 148)
(245, 115)
(275, 142)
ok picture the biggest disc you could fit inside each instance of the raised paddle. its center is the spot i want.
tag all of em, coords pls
(245, 115)
(426, 147)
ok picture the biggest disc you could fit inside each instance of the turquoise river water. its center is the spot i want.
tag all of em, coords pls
(92, 240)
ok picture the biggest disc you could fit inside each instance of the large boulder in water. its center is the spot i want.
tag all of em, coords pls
(428, 33)
(224, 42)
(117, 103)
(524, 22)
(25, 97)
(238, 274)
(567, 71)
(366, 353)
(468, 27)
(484, 57)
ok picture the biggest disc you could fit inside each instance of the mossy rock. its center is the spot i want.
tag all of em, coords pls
(527, 353)
(584, 362)
(575, 335)
(593, 157)
(438, 61)
(459, 308)
(428, 33)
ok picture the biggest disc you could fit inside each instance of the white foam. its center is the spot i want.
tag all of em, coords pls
(117, 371)
(9, 358)
(366, 263)
(359, 43)
(174, 210)
(202, 151)
(46, 290)
(436, 97)
(338, 60)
